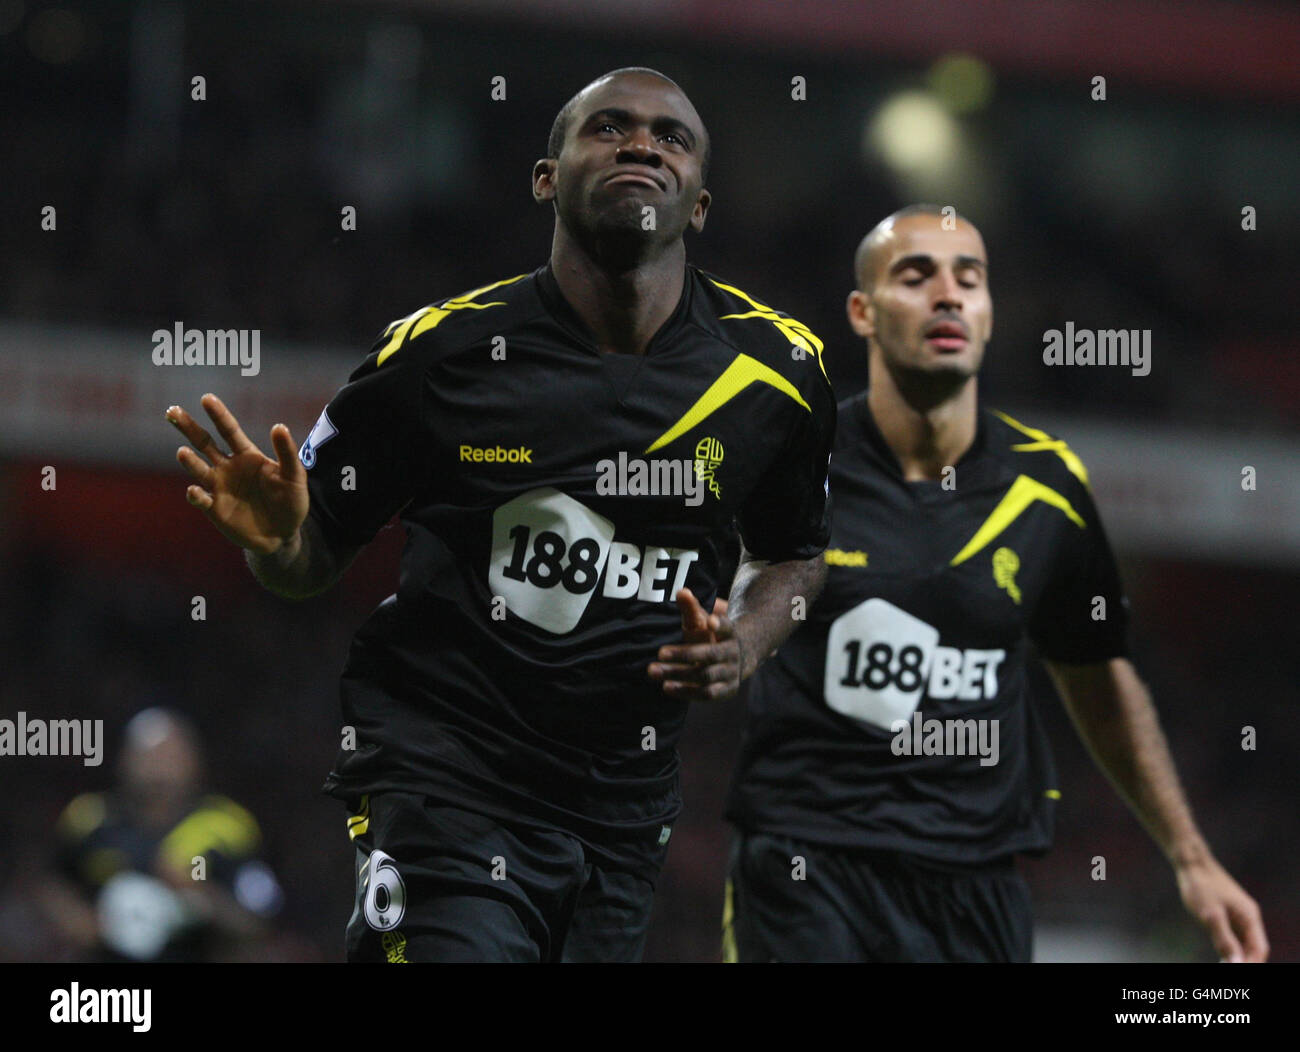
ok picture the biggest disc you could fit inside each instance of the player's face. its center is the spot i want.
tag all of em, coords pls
(929, 309)
(634, 142)
(165, 769)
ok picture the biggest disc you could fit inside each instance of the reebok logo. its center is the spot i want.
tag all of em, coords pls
(496, 455)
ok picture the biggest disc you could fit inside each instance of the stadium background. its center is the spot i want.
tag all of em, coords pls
(225, 213)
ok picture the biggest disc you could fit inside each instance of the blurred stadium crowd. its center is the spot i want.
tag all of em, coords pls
(226, 213)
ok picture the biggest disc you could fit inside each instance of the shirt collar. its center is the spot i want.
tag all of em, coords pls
(883, 453)
(548, 290)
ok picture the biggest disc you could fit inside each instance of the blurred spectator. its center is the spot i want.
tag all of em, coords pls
(155, 870)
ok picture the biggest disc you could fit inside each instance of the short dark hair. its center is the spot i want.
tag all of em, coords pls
(560, 126)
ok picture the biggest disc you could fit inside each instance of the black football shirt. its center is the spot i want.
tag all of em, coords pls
(554, 499)
(899, 716)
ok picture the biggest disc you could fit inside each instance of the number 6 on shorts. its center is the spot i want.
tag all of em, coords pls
(385, 901)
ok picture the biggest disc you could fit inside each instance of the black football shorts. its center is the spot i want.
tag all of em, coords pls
(436, 882)
(788, 900)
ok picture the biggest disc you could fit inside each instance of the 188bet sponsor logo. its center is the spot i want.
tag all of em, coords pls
(550, 553)
(880, 662)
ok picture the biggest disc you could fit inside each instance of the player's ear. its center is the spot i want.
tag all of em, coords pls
(544, 180)
(862, 313)
(701, 210)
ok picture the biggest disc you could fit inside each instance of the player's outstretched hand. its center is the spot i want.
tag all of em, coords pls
(706, 666)
(1225, 910)
(256, 502)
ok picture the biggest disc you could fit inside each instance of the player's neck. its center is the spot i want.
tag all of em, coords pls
(926, 437)
(623, 305)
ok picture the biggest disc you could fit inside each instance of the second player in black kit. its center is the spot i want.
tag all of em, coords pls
(928, 613)
(893, 765)
(857, 736)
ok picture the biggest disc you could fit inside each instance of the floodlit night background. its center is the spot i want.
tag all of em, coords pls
(225, 213)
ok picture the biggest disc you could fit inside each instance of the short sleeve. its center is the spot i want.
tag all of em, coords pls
(1082, 615)
(362, 457)
(788, 515)
(219, 830)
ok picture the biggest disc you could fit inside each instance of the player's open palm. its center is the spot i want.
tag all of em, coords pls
(256, 502)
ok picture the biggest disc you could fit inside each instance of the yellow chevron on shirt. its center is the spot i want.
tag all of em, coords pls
(1021, 494)
(1044, 441)
(430, 317)
(742, 372)
(795, 331)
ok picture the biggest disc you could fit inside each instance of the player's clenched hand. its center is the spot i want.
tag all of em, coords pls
(255, 501)
(1225, 910)
(706, 665)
